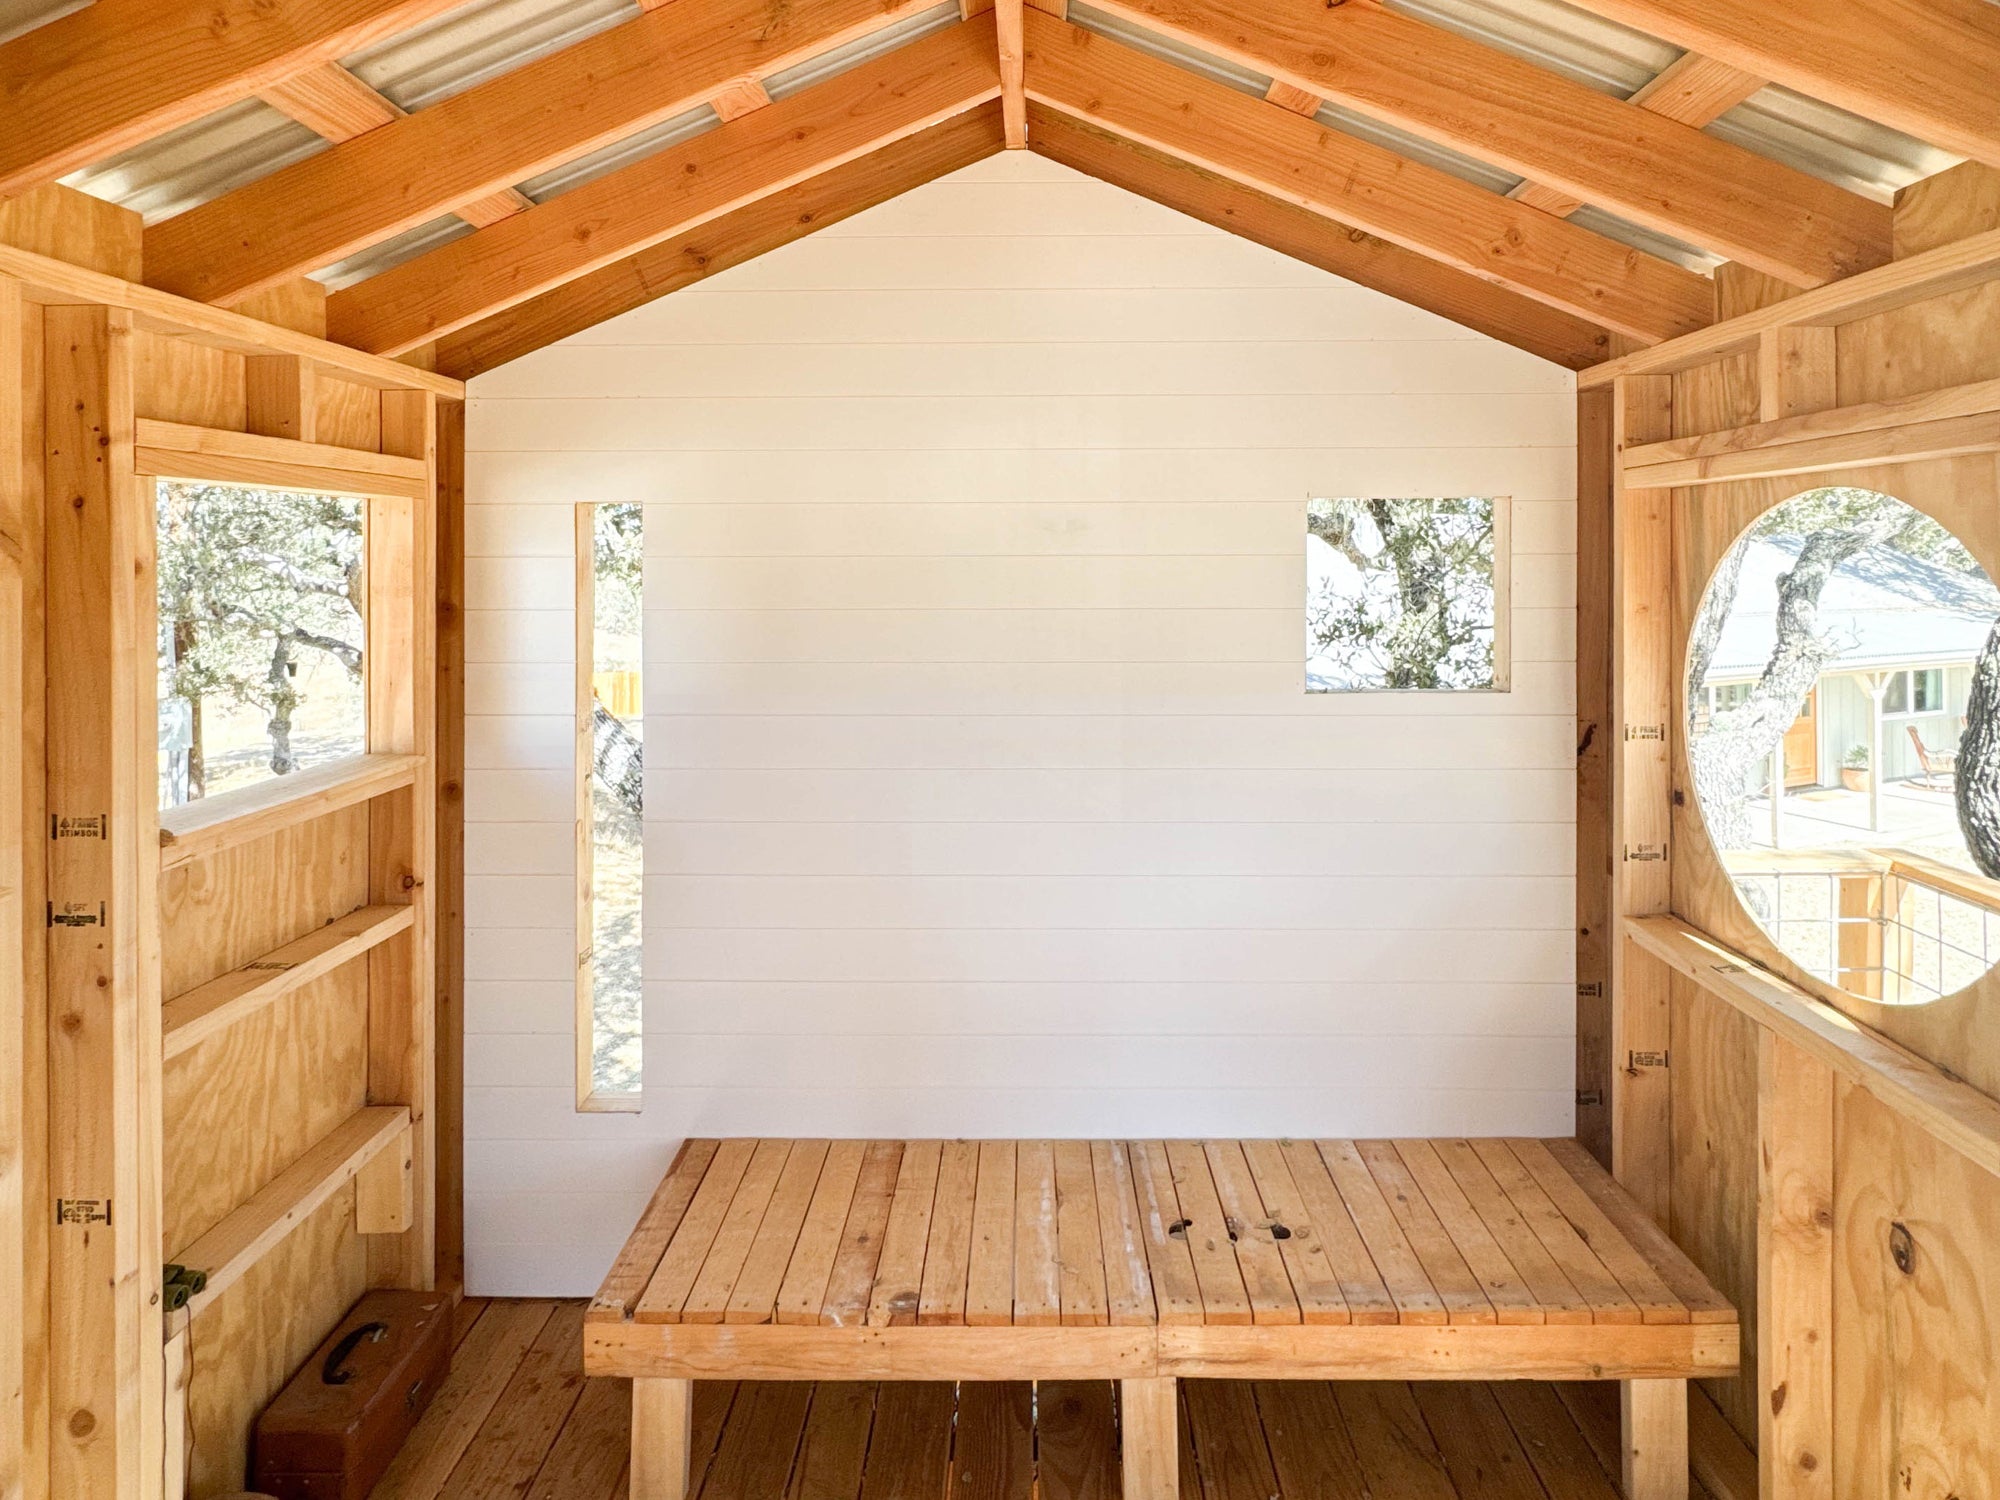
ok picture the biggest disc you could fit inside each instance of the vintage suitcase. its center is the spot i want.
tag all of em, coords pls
(330, 1433)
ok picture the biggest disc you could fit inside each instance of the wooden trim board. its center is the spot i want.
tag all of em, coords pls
(228, 819)
(178, 450)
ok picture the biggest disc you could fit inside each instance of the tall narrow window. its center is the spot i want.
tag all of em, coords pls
(260, 650)
(610, 803)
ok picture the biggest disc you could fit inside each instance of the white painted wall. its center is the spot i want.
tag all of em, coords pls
(984, 797)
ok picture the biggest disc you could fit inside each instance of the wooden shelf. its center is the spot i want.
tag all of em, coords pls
(222, 822)
(191, 1018)
(231, 1248)
(1955, 1113)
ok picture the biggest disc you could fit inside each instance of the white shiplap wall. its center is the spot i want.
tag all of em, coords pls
(983, 796)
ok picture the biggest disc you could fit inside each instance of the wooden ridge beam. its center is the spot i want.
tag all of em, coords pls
(898, 94)
(1013, 98)
(465, 148)
(1472, 98)
(1925, 67)
(1288, 156)
(1278, 225)
(738, 236)
(113, 74)
(191, 1018)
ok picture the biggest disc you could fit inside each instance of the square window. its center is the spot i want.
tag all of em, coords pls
(1406, 595)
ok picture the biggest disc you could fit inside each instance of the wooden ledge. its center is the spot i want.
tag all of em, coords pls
(192, 1018)
(228, 1251)
(177, 450)
(1955, 1113)
(58, 283)
(236, 817)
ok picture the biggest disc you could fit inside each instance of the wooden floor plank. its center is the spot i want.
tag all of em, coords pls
(1176, 1289)
(1361, 1285)
(1308, 1441)
(587, 1460)
(989, 1281)
(708, 1299)
(852, 1280)
(1505, 1287)
(753, 1460)
(1258, 1257)
(755, 1296)
(1641, 1280)
(899, 1276)
(1560, 1302)
(507, 1451)
(1392, 1443)
(1037, 1275)
(909, 1452)
(1403, 1273)
(948, 1252)
(1076, 1440)
(1607, 1298)
(1229, 1446)
(1224, 1296)
(993, 1440)
(834, 1447)
(464, 1316)
(1464, 1298)
(713, 1402)
(481, 1367)
(1476, 1441)
(1079, 1241)
(803, 1292)
(1703, 1302)
(1564, 1461)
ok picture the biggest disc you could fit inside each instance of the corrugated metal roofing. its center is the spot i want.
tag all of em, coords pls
(17, 16)
(392, 252)
(803, 75)
(467, 46)
(203, 159)
(575, 174)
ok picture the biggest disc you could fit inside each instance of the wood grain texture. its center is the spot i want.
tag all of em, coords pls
(1278, 152)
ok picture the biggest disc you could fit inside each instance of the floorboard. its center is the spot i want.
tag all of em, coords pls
(518, 1418)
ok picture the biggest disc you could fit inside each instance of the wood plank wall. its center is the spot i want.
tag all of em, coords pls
(89, 1111)
(1864, 1254)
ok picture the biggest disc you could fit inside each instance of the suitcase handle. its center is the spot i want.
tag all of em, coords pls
(331, 1372)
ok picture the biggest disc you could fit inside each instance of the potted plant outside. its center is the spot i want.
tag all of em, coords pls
(1854, 768)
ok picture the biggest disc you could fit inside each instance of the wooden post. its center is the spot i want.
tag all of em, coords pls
(1655, 1449)
(107, 1402)
(1149, 1438)
(1795, 1251)
(1642, 789)
(14, 1207)
(662, 1421)
(401, 662)
(448, 880)
(1595, 919)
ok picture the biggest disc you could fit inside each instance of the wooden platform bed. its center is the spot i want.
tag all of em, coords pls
(1144, 1262)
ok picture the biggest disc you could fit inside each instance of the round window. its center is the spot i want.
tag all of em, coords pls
(1843, 719)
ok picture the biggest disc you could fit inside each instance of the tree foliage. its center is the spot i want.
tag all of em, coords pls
(617, 565)
(250, 582)
(1407, 600)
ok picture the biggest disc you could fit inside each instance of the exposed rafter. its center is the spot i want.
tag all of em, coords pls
(1927, 67)
(738, 236)
(669, 193)
(1599, 149)
(102, 79)
(336, 106)
(1281, 153)
(1359, 257)
(601, 90)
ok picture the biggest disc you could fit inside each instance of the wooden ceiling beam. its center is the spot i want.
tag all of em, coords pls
(336, 106)
(895, 95)
(1420, 208)
(105, 78)
(1472, 98)
(490, 137)
(741, 235)
(1013, 100)
(1351, 253)
(1925, 67)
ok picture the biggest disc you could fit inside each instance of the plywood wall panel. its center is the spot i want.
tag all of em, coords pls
(178, 380)
(348, 416)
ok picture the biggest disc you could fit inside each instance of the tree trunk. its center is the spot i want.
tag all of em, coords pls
(187, 634)
(1976, 786)
(619, 758)
(1707, 633)
(284, 698)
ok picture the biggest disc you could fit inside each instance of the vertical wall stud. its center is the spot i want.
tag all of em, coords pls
(103, 946)
(1794, 1272)
(14, 1207)
(1595, 723)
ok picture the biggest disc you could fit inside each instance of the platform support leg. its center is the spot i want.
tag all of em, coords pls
(662, 1414)
(1149, 1438)
(1653, 1418)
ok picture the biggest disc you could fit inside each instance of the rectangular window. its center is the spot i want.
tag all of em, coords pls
(1407, 594)
(261, 603)
(1914, 691)
(610, 801)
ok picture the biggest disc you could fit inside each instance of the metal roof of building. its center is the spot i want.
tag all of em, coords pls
(481, 40)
